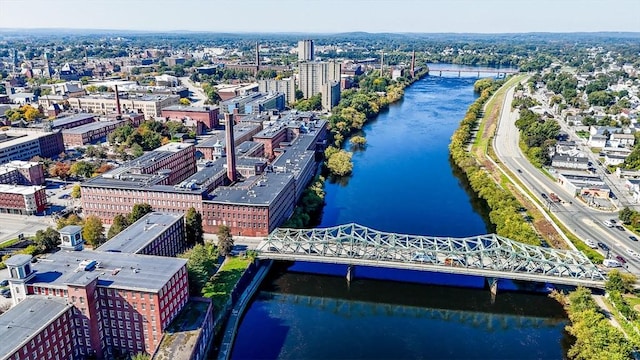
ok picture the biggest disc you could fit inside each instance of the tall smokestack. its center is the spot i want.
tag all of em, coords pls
(257, 56)
(231, 148)
(115, 87)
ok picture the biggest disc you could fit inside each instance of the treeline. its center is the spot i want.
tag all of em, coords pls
(309, 207)
(537, 135)
(504, 206)
(151, 134)
(595, 337)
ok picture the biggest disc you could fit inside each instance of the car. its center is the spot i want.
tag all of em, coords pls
(518, 170)
(4, 282)
(631, 252)
(633, 238)
(6, 293)
(603, 246)
(544, 196)
(590, 243)
(607, 223)
(621, 259)
(619, 227)
(613, 221)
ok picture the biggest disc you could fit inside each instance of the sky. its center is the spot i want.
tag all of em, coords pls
(326, 16)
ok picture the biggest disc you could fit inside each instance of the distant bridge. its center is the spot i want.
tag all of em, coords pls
(491, 256)
(499, 72)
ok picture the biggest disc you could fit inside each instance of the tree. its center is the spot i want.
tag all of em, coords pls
(340, 163)
(201, 264)
(225, 240)
(72, 219)
(625, 215)
(60, 170)
(119, 223)
(82, 168)
(193, 224)
(76, 192)
(620, 282)
(138, 211)
(47, 240)
(358, 141)
(93, 231)
(31, 113)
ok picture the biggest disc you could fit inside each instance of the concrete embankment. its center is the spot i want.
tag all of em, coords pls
(236, 313)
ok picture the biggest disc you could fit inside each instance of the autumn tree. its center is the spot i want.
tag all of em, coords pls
(75, 191)
(72, 219)
(340, 163)
(60, 170)
(93, 231)
(358, 141)
(225, 240)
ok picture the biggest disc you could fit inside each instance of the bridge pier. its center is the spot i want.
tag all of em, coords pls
(459, 73)
(493, 288)
(350, 273)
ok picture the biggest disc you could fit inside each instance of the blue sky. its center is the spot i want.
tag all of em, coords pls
(328, 16)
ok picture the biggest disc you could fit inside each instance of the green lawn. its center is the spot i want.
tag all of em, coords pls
(218, 289)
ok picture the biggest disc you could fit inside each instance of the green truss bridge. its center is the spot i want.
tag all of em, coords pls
(491, 256)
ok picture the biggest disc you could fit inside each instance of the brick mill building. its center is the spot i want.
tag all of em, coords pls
(192, 116)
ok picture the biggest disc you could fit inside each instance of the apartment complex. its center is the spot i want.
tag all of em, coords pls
(315, 75)
(25, 200)
(25, 144)
(254, 103)
(305, 50)
(149, 105)
(285, 86)
(18, 172)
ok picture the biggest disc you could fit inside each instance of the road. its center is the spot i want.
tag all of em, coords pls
(584, 222)
(198, 96)
(11, 225)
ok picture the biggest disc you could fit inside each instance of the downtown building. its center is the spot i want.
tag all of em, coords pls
(202, 118)
(250, 195)
(315, 77)
(110, 303)
(24, 144)
(285, 86)
(149, 105)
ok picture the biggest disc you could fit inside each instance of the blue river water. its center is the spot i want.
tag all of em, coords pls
(402, 182)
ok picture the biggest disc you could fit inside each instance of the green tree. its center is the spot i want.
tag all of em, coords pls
(340, 163)
(82, 168)
(72, 219)
(620, 282)
(625, 215)
(138, 211)
(119, 223)
(193, 224)
(93, 231)
(76, 191)
(201, 264)
(358, 141)
(225, 240)
(47, 240)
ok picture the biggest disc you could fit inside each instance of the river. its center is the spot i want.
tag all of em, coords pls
(402, 182)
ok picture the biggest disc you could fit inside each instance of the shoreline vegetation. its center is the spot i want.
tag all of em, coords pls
(504, 208)
(357, 107)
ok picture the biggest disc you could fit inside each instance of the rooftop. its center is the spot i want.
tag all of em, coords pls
(256, 190)
(141, 233)
(70, 119)
(91, 126)
(190, 108)
(23, 321)
(19, 189)
(184, 330)
(15, 165)
(117, 270)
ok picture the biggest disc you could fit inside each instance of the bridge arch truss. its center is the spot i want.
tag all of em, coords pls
(485, 255)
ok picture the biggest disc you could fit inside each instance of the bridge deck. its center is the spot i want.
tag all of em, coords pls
(486, 255)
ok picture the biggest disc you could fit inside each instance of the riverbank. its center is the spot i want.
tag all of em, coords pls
(505, 212)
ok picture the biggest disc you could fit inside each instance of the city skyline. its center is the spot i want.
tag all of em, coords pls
(329, 16)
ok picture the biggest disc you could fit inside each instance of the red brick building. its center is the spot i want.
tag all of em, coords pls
(190, 115)
(89, 133)
(271, 138)
(18, 199)
(22, 173)
(120, 303)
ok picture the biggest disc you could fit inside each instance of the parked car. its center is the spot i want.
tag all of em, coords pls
(4, 282)
(590, 243)
(6, 293)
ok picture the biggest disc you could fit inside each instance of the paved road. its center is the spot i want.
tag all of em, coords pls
(584, 222)
(198, 96)
(12, 225)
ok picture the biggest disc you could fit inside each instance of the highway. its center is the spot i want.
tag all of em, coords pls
(584, 222)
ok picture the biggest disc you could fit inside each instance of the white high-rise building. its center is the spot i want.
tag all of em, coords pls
(286, 86)
(305, 50)
(313, 76)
